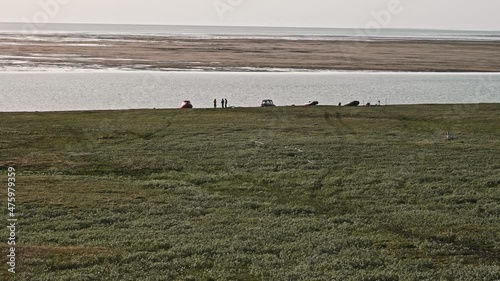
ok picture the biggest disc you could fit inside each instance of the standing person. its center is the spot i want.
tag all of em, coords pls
(225, 101)
(222, 102)
(215, 103)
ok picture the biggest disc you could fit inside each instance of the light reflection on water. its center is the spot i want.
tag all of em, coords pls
(60, 91)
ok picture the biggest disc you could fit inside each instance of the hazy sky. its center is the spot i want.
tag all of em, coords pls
(444, 14)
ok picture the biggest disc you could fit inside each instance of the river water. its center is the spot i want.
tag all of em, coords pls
(81, 90)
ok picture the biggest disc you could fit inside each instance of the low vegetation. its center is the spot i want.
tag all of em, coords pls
(287, 193)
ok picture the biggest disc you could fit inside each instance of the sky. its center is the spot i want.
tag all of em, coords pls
(432, 14)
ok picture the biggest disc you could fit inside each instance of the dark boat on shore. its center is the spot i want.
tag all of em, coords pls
(312, 103)
(353, 103)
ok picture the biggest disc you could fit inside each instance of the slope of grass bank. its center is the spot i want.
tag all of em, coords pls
(322, 193)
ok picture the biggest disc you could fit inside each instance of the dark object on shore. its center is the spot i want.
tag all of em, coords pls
(353, 103)
(312, 103)
(267, 103)
(340, 104)
(186, 104)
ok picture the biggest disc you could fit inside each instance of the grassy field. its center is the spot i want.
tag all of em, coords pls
(287, 193)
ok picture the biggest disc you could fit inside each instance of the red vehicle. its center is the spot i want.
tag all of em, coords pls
(186, 104)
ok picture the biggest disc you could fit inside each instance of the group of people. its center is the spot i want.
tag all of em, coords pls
(223, 103)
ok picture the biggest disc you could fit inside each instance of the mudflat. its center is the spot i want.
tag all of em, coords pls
(247, 54)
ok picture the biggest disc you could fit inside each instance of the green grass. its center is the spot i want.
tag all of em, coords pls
(290, 193)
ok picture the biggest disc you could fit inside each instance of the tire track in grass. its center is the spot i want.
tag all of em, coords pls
(492, 256)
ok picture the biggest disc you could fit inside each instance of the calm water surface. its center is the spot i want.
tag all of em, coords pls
(62, 91)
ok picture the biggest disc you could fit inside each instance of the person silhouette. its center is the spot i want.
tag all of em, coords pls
(225, 101)
(222, 102)
(215, 103)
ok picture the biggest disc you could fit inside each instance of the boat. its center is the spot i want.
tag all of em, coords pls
(353, 103)
(186, 104)
(312, 103)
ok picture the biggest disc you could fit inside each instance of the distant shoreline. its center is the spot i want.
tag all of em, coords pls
(137, 29)
(327, 106)
(160, 53)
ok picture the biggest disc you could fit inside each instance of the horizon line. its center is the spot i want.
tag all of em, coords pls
(255, 26)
